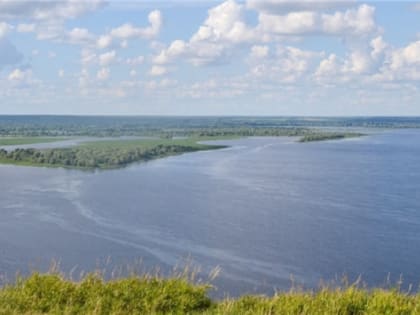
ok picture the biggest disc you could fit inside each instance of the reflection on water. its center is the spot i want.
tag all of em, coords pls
(262, 210)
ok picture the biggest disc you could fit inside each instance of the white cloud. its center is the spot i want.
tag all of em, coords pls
(403, 64)
(378, 46)
(287, 65)
(357, 62)
(292, 23)
(47, 10)
(46, 18)
(358, 21)
(107, 58)
(176, 49)
(133, 73)
(17, 75)
(61, 73)
(21, 78)
(407, 56)
(225, 22)
(354, 21)
(26, 28)
(88, 57)
(4, 29)
(127, 31)
(79, 36)
(104, 41)
(223, 29)
(103, 74)
(328, 67)
(135, 61)
(158, 71)
(259, 51)
(284, 6)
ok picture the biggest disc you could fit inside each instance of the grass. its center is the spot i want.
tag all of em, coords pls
(54, 294)
(28, 140)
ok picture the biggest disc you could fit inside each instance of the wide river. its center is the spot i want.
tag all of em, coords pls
(262, 210)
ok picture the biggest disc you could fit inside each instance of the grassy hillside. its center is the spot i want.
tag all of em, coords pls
(52, 294)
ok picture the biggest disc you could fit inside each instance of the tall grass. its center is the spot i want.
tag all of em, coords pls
(53, 293)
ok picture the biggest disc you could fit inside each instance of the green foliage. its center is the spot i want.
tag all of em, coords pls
(113, 126)
(102, 154)
(322, 136)
(53, 294)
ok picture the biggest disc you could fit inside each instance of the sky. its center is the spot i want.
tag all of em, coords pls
(253, 57)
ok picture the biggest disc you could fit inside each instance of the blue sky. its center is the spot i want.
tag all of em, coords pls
(254, 57)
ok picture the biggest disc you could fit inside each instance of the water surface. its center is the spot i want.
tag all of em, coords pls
(262, 210)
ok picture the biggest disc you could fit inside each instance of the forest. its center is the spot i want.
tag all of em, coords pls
(101, 154)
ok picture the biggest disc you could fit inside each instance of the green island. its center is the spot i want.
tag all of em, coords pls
(118, 144)
(103, 154)
(52, 293)
(116, 153)
(323, 136)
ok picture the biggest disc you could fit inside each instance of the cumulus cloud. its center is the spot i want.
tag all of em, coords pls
(121, 34)
(135, 61)
(158, 71)
(286, 65)
(21, 78)
(225, 22)
(26, 28)
(47, 10)
(407, 56)
(88, 57)
(378, 46)
(379, 62)
(350, 22)
(358, 62)
(16, 75)
(46, 18)
(403, 64)
(79, 36)
(103, 74)
(284, 6)
(104, 41)
(107, 58)
(223, 29)
(259, 51)
(129, 31)
(4, 29)
(328, 67)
